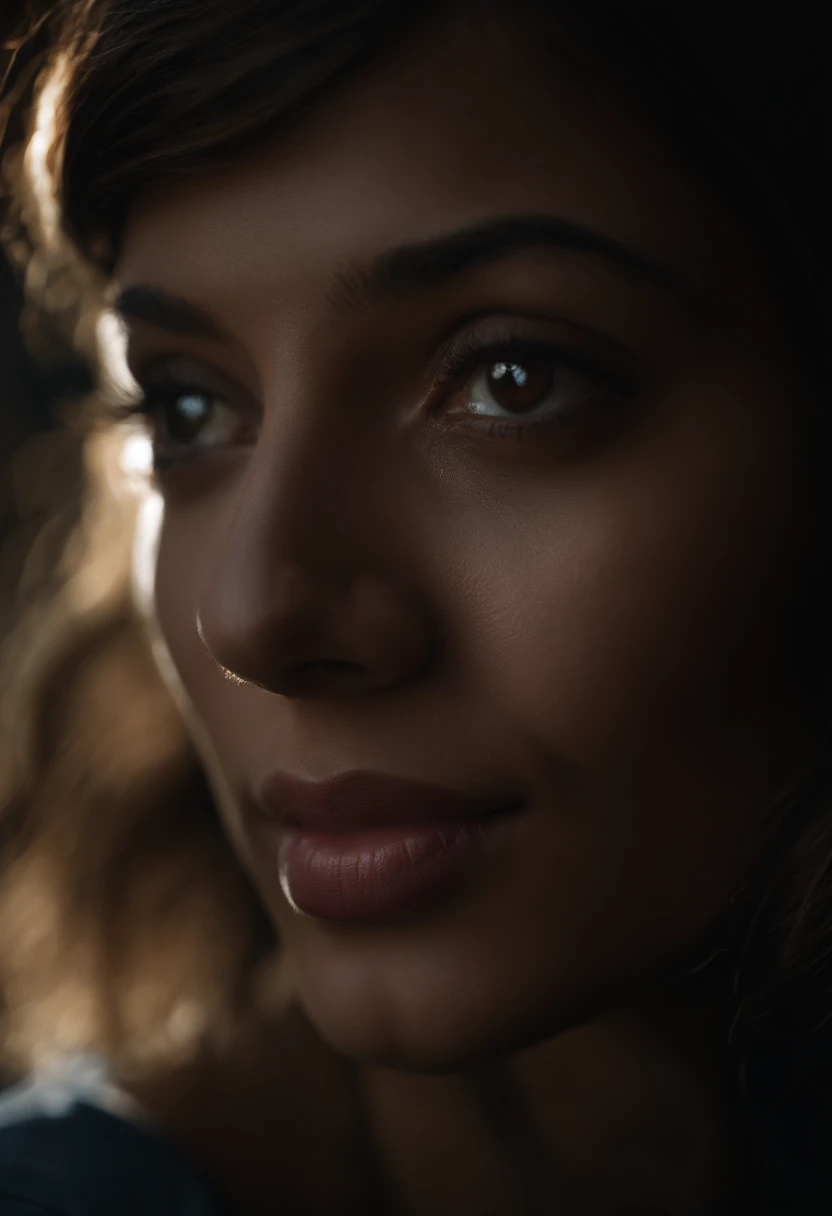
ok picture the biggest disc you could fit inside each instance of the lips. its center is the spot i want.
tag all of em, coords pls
(363, 845)
(357, 801)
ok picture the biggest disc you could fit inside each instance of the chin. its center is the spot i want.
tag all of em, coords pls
(432, 1032)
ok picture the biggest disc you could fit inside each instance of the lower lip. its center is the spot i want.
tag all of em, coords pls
(358, 875)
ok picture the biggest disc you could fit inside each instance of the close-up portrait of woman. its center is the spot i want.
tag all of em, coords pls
(416, 747)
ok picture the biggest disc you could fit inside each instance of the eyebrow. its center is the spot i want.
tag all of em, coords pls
(169, 312)
(436, 261)
(429, 264)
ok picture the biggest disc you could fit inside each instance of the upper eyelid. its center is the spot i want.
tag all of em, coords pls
(161, 373)
(147, 366)
(495, 328)
(147, 355)
(470, 354)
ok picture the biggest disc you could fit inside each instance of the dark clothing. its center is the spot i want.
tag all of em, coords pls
(63, 1153)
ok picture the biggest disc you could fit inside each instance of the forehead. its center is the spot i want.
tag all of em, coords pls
(441, 133)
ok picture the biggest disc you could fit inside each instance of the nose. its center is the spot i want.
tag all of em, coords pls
(291, 607)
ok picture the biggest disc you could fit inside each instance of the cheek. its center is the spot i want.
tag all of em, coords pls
(642, 609)
(631, 625)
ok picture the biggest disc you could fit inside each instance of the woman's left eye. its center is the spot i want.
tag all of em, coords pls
(535, 386)
(510, 389)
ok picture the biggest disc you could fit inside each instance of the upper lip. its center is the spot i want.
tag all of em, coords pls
(356, 801)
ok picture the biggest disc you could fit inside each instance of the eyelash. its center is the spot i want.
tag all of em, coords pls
(468, 352)
(456, 365)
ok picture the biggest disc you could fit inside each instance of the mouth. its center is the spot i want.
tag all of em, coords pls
(365, 845)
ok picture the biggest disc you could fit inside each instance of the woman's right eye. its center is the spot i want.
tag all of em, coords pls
(188, 417)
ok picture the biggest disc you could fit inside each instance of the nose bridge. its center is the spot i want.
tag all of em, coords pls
(298, 598)
(287, 529)
(295, 503)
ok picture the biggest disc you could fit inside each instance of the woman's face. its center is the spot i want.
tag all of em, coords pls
(481, 458)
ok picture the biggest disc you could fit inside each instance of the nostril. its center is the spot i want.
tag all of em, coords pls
(325, 675)
(328, 666)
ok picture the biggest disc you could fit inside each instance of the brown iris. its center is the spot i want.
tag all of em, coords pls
(520, 387)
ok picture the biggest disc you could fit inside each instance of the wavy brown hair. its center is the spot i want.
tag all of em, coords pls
(124, 920)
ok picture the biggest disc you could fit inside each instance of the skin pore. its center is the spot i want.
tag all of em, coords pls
(584, 606)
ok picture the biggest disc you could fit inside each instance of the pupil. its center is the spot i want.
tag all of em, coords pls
(519, 387)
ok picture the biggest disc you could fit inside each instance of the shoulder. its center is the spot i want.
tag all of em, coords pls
(68, 1149)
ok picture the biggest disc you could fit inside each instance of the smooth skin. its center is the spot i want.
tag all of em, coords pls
(585, 603)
